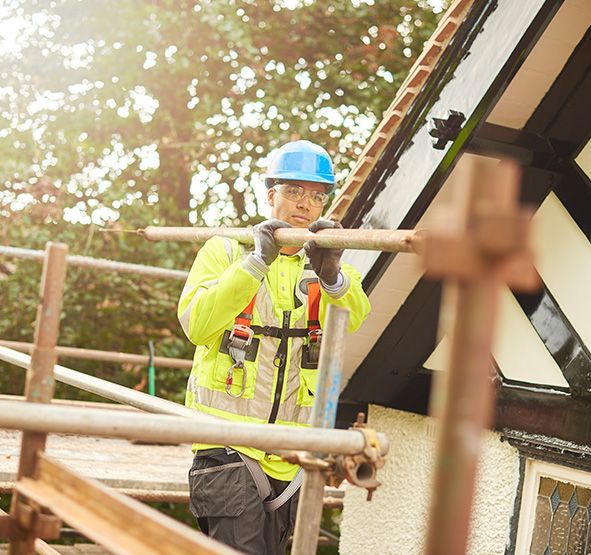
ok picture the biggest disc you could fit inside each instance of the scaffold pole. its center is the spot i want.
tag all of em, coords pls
(386, 240)
(48, 418)
(324, 412)
(474, 271)
(40, 383)
(98, 263)
(104, 356)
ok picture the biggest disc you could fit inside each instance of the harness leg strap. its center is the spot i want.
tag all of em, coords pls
(264, 486)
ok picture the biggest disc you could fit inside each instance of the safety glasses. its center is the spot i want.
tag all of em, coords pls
(297, 193)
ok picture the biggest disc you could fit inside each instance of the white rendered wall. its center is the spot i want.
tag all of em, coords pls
(394, 522)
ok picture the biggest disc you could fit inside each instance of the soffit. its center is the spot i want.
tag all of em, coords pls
(543, 65)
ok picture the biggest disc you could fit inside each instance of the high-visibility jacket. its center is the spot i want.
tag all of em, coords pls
(217, 290)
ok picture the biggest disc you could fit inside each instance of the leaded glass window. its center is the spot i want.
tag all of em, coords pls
(562, 521)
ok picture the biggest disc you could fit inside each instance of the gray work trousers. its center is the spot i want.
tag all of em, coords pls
(225, 501)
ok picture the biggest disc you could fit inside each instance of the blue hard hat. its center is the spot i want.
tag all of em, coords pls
(303, 161)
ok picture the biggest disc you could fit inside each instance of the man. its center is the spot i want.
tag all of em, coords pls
(256, 319)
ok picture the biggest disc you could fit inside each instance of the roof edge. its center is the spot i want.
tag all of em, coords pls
(396, 112)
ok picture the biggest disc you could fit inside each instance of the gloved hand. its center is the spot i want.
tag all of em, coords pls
(325, 262)
(264, 241)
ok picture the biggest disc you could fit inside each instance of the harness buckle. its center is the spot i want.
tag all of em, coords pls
(237, 332)
(311, 349)
(238, 341)
(314, 336)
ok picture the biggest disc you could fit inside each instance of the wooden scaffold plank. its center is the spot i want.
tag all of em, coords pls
(120, 524)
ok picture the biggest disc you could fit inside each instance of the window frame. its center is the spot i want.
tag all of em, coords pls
(534, 470)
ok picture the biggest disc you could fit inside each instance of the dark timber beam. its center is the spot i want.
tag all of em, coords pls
(560, 338)
(528, 149)
(574, 191)
(551, 413)
(549, 449)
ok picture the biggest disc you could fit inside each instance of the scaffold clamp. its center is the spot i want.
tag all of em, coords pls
(361, 469)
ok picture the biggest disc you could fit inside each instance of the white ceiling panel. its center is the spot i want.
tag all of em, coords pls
(564, 262)
(542, 66)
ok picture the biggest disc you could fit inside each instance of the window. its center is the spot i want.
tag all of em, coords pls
(555, 511)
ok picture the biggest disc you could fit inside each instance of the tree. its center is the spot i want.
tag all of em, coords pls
(174, 104)
(125, 113)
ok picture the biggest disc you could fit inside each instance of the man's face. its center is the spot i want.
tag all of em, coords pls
(298, 213)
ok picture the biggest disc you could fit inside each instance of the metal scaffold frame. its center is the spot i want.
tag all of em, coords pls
(47, 492)
(36, 492)
(484, 243)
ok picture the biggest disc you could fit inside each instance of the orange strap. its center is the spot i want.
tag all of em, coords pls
(244, 319)
(313, 309)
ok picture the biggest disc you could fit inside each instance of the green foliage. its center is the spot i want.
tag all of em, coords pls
(119, 101)
(102, 310)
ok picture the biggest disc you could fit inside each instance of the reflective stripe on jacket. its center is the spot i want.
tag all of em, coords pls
(217, 290)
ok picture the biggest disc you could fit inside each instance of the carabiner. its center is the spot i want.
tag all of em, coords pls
(230, 380)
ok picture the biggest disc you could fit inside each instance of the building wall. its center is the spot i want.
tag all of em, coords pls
(394, 522)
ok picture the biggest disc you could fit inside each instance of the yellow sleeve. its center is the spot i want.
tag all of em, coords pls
(351, 295)
(217, 290)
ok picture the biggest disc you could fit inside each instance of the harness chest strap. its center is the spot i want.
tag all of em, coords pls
(244, 329)
(239, 340)
(244, 321)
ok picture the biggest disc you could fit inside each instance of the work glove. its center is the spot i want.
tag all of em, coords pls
(325, 262)
(265, 246)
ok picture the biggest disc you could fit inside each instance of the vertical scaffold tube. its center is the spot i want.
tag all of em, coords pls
(324, 414)
(40, 381)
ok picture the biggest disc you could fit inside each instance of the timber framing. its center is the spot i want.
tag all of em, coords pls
(560, 338)
(387, 165)
(549, 449)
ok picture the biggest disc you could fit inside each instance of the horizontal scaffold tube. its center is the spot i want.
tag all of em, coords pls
(108, 390)
(105, 356)
(122, 394)
(46, 418)
(386, 240)
(98, 263)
